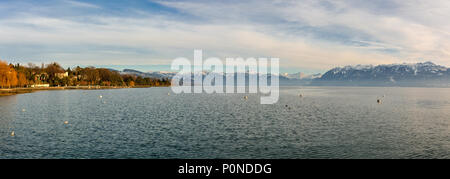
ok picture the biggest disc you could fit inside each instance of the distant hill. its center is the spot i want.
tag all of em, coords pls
(169, 75)
(301, 76)
(158, 75)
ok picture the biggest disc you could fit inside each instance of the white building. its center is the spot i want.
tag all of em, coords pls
(40, 85)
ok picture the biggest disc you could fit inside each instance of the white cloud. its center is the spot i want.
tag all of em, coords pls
(246, 29)
(81, 4)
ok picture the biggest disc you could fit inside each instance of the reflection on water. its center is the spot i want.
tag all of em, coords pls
(8, 114)
(328, 122)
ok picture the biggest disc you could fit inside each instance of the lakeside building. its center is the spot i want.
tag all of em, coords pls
(40, 86)
(62, 75)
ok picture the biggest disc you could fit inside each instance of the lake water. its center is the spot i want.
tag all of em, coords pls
(328, 122)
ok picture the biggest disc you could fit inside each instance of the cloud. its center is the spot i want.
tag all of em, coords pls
(307, 34)
(81, 4)
(400, 32)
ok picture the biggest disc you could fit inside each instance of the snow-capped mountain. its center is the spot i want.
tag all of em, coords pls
(159, 75)
(393, 73)
(301, 76)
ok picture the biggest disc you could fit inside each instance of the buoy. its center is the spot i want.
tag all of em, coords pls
(100, 96)
(12, 133)
(66, 122)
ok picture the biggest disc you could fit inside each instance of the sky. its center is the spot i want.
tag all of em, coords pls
(307, 35)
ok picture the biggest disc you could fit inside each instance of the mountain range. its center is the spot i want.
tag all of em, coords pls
(158, 74)
(301, 76)
(416, 74)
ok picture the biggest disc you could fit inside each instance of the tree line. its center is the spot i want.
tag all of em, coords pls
(53, 74)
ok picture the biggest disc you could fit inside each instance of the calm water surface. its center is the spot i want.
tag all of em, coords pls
(328, 122)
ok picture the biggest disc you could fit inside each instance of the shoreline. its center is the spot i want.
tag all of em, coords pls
(15, 91)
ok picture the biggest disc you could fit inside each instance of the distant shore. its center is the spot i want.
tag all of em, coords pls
(14, 91)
